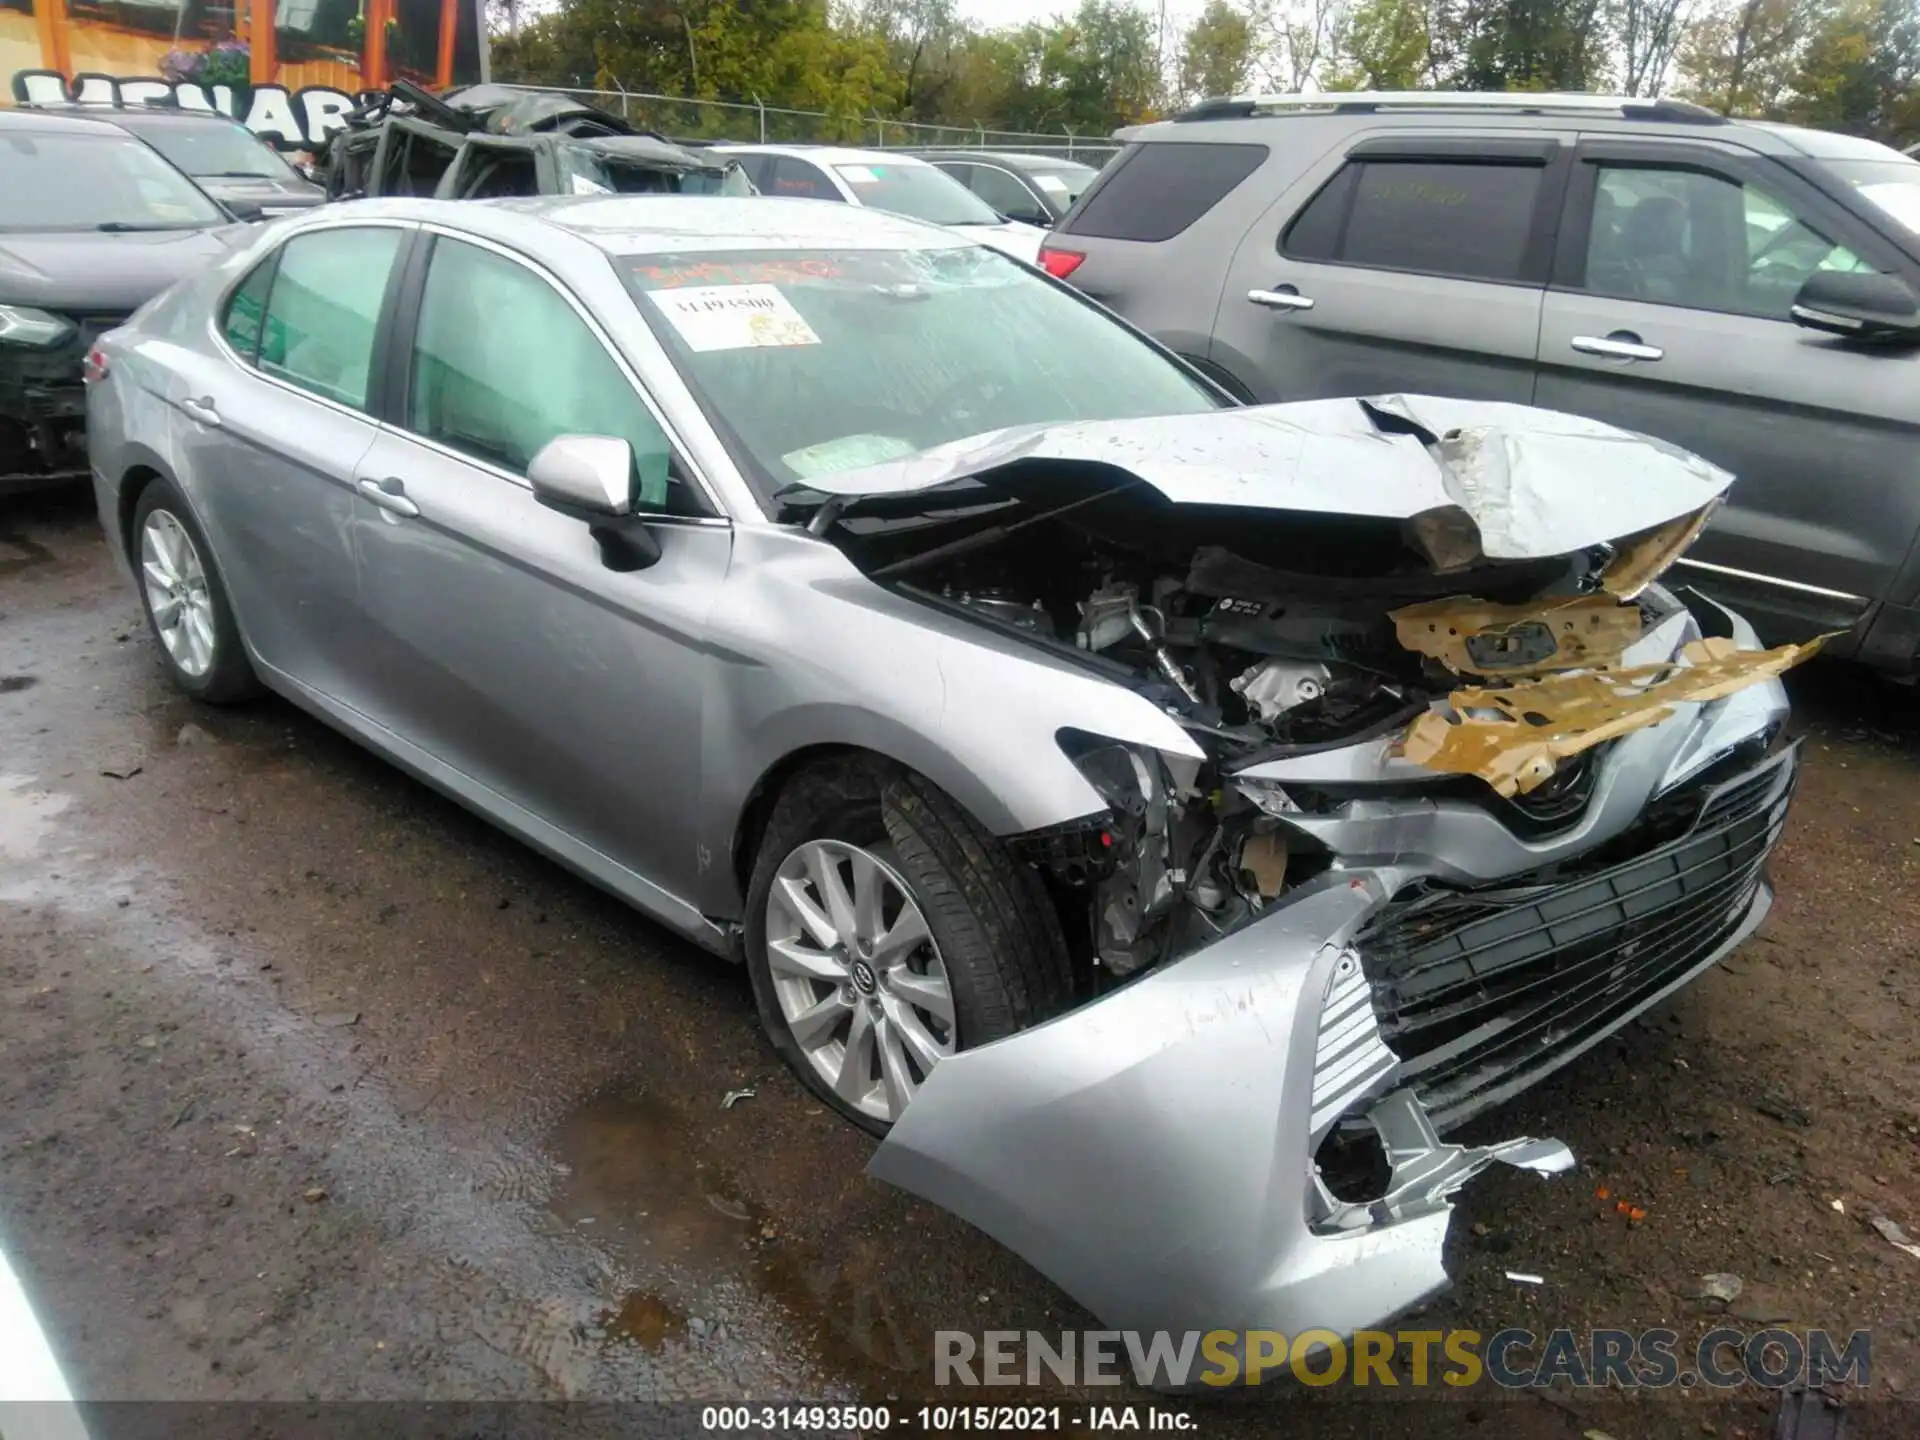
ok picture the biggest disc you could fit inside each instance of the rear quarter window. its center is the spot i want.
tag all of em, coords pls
(1161, 188)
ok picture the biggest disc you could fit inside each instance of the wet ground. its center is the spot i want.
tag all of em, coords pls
(314, 1087)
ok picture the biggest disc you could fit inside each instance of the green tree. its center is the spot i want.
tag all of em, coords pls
(1739, 56)
(1383, 45)
(1216, 54)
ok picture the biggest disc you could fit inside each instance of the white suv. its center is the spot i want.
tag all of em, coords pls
(885, 180)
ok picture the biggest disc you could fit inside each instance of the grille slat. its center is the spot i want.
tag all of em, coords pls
(1482, 991)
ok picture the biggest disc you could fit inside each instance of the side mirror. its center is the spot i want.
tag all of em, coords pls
(250, 211)
(590, 478)
(1866, 307)
(1031, 217)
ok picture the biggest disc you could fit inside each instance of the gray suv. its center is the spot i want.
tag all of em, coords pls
(1746, 291)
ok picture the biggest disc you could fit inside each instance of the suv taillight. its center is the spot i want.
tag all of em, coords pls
(94, 367)
(1059, 263)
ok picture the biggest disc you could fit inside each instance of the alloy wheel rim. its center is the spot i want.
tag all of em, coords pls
(857, 975)
(174, 579)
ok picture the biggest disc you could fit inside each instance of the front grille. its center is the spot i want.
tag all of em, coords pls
(1483, 991)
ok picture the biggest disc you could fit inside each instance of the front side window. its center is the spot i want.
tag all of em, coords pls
(916, 190)
(502, 364)
(809, 362)
(323, 310)
(1004, 193)
(1469, 220)
(1687, 237)
(105, 180)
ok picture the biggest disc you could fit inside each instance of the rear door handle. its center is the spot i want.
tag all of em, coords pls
(1283, 297)
(390, 495)
(204, 411)
(1619, 345)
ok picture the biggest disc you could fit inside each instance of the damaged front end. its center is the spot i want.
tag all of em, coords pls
(1470, 790)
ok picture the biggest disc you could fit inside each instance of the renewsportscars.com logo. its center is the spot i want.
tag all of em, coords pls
(1722, 1358)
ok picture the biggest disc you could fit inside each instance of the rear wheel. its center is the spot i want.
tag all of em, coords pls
(886, 931)
(185, 601)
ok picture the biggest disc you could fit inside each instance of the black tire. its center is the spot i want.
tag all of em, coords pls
(229, 678)
(998, 937)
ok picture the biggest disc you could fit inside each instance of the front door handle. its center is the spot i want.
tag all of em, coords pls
(203, 410)
(1281, 297)
(1619, 345)
(390, 495)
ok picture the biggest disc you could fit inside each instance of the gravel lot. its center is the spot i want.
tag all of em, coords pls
(314, 1087)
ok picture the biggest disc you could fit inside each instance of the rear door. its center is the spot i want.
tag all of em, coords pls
(496, 640)
(1409, 262)
(1669, 315)
(273, 426)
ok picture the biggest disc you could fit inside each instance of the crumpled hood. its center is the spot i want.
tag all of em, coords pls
(1535, 483)
(88, 270)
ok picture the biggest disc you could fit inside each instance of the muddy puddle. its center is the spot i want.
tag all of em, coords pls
(642, 1184)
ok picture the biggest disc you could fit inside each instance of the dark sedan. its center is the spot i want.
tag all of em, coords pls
(1036, 189)
(226, 159)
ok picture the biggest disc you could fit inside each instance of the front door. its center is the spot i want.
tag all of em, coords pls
(1411, 265)
(496, 640)
(1669, 315)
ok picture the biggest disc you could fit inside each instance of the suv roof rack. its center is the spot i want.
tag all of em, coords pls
(1512, 102)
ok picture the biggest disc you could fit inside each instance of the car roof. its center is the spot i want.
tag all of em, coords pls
(26, 117)
(120, 115)
(829, 154)
(1009, 157)
(1247, 119)
(666, 224)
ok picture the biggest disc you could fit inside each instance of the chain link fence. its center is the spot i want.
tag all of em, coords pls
(682, 119)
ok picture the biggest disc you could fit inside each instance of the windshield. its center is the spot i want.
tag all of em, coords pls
(1892, 186)
(919, 191)
(810, 362)
(599, 172)
(213, 150)
(92, 182)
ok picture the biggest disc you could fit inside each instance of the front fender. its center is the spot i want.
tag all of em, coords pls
(808, 652)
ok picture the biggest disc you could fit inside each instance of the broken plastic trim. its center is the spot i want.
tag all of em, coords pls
(1427, 1170)
(1513, 737)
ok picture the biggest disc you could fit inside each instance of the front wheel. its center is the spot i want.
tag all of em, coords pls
(886, 931)
(185, 601)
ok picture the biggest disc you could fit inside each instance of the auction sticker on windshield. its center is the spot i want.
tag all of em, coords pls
(733, 317)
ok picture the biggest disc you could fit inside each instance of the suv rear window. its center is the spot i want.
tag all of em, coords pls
(1162, 188)
(1425, 216)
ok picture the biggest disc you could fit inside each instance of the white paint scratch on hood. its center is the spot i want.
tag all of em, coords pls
(1536, 483)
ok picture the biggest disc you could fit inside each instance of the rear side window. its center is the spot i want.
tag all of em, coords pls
(801, 179)
(1471, 220)
(247, 309)
(1162, 188)
(324, 308)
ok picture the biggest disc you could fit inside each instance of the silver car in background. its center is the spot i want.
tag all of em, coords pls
(1133, 807)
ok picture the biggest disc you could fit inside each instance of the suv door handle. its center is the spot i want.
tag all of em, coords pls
(203, 410)
(1620, 345)
(390, 495)
(1281, 297)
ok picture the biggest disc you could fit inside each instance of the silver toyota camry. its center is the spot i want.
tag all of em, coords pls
(1160, 820)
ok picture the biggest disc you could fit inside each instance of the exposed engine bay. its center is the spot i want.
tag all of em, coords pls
(1269, 634)
(1260, 662)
